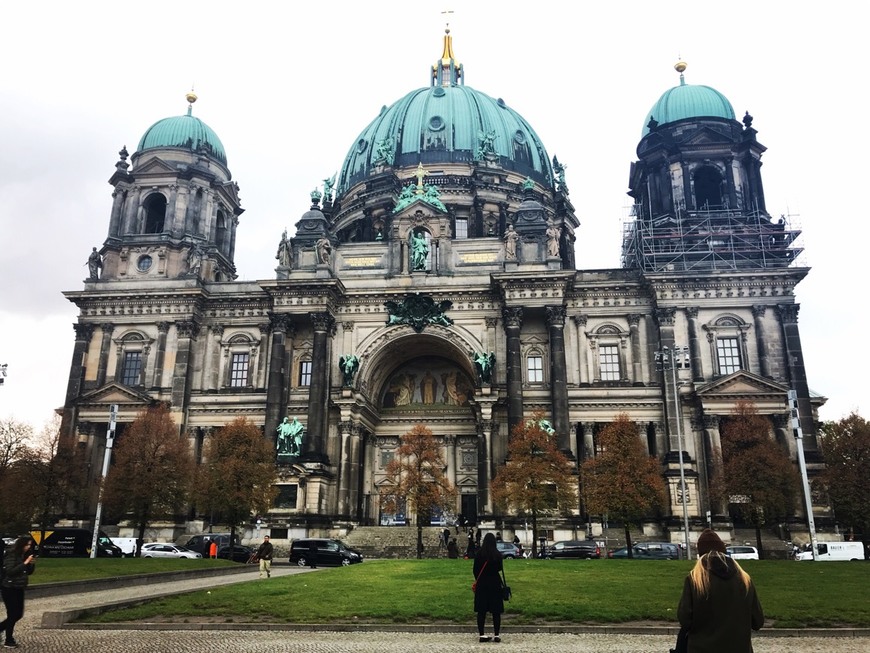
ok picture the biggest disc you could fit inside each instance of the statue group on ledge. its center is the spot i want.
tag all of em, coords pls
(290, 437)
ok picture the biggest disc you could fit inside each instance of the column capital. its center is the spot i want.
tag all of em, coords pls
(580, 320)
(634, 319)
(322, 321)
(512, 316)
(187, 329)
(692, 312)
(758, 310)
(163, 327)
(83, 331)
(556, 316)
(665, 316)
(788, 313)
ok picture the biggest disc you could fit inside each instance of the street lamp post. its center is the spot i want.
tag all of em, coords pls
(671, 359)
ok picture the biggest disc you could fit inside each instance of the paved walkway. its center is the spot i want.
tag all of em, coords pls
(263, 640)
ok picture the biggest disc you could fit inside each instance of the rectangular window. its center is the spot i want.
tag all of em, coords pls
(305, 373)
(132, 368)
(608, 358)
(286, 498)
(535, 368)
(728, 354)
(239, 371)
(461, 228)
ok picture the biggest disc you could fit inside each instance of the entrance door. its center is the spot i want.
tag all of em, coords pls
(469, 508)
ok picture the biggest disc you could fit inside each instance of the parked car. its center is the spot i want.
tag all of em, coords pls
(509, 550)
(330, 553)
(166, 550)
(641, 553)
(236, 553)
(742, 552)
(582, 549)
(668, 550)
(201, 543)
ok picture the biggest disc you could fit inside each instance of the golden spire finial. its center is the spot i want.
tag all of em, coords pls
(191, 98)
(681, 66)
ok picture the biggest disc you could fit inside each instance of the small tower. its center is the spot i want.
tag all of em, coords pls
(176, 208)
(697, 191)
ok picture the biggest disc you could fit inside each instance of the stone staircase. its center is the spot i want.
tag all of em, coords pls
(395, 541)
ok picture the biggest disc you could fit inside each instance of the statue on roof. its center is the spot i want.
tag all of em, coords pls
(485, 144)
(384, 151)
(283, 254)
(559, 169)
(328, 185)
(431, 195)
(95, 264)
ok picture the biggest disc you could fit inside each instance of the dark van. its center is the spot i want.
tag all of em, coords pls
(201, 543)
(74, 543)
(327, 552)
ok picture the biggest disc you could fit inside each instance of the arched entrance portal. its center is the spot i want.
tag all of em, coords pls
(425, 379)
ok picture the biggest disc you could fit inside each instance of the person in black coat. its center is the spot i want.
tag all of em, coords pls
(488, 589)
(18, 564)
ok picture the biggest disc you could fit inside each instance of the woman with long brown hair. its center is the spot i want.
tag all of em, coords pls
(719, 606)
(487, 593)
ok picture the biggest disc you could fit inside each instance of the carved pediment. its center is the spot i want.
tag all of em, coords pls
(720, 396)
(115, 393)
(707, 136)
(156, 166)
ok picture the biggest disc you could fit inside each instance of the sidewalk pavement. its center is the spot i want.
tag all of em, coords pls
(266, 638)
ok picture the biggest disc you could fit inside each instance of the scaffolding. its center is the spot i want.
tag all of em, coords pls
(719, 239)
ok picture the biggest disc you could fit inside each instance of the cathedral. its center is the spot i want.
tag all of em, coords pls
(434, 281)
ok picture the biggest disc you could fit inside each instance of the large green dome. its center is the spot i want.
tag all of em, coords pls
(187, 132)
(688, 101)
(444, 124)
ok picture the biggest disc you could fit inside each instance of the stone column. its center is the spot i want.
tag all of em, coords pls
(485, 464)
(345, 429)
(559, 376)
(636, 355)
(794, 356)
(588, 440)
(186, 332)
(260, 378)
(714, 463)
(83, 333)
(694, 344)
(513, 319)
(115, 219)
(105, 347)
(160, 354)
(170, 224)
(758, 312)
(580, 323)
(130, 225)
(276, 391)
(665, 318)
(355, 480)
(315, 437)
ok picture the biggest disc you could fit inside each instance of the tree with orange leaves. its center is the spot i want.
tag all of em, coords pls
(623, 481)
(417, 474)
(537, 479)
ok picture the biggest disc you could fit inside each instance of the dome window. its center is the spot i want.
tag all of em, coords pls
(436, 123)
(361, 145)
(438, 92)
(155, 213)
(520, 137)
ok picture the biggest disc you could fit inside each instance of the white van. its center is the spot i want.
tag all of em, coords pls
(835, 551)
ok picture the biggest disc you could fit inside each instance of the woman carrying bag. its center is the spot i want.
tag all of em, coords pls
(488, 595)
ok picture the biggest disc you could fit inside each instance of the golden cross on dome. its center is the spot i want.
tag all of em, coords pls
(419, 174)
(447, 13)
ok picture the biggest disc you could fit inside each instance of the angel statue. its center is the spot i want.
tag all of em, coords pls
(349, 365)
(484, 363)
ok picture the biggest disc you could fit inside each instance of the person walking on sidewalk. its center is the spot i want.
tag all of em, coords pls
(264, 555)
(719, 608)
(18, 564)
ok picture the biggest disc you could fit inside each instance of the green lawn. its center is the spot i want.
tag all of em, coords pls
(793, 594)
(56, 570)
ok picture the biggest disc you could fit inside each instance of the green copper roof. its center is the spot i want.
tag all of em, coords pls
(688, 101)
(446, 124)
(188, 132)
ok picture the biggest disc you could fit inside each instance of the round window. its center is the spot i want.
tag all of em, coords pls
(436, 123)
(361, 145)
(144, 263)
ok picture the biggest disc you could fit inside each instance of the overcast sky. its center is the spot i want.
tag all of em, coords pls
(288, 90)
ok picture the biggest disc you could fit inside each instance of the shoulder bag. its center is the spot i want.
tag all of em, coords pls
(474, 584)
(505, 588)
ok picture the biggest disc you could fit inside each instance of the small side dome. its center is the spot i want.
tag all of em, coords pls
(187, 132)
(688, 101)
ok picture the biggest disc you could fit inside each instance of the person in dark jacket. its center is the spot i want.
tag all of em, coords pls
(264, 556)
(18, 564)
(487, 593)
(719, 605)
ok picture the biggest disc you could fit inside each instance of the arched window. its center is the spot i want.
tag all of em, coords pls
(708, 188)
(221, 232)
(155, 213)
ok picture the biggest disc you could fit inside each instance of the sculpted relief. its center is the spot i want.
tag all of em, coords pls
(427, 382)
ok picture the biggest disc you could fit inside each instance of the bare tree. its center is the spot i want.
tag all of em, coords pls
(623, 481)
(238, 476)
(152, 470)
(538, 479)
(416, 473)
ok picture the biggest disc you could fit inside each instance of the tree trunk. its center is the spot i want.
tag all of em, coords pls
(419, 539)
(140, 538)
(535, 534)
(758, 539)
(628, 546)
